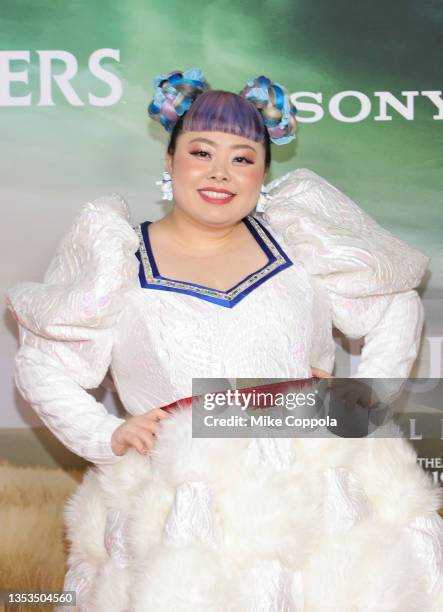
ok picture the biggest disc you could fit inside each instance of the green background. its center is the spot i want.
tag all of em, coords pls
(60, 155)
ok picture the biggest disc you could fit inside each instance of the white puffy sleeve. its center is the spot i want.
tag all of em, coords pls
(66, 326)
(368, 273)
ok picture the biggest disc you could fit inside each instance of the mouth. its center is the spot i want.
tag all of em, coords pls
(216, 196)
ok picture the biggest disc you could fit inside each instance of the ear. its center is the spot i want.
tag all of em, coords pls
(168, 162)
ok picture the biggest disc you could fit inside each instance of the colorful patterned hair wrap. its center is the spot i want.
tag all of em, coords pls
(275, 106)
(174, 93)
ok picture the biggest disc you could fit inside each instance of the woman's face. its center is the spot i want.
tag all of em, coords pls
(216, 177)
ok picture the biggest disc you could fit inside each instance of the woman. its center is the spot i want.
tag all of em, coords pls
(215, 291)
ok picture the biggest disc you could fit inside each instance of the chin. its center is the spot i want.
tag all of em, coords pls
(212, 212)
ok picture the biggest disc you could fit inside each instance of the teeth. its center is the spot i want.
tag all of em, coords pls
(217, 195)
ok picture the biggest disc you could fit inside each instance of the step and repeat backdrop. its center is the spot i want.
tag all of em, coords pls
(76, 79)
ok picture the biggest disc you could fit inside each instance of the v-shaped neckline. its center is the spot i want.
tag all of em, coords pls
(150, 278)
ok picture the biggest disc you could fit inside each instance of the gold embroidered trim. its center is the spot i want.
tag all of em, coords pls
(226, 295)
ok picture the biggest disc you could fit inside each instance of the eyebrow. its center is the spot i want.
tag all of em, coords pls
(211, 142)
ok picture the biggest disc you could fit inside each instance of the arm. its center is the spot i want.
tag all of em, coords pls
(392, 345)
(369, 274)
(81, 423)
(67, 326)
(391, 326)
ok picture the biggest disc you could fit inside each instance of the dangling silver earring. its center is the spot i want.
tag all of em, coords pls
(166, 186)
(262, 200)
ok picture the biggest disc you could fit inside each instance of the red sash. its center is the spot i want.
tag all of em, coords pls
(271, 390)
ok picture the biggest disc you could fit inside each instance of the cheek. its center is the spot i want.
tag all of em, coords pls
(181, 167)
(186, 167)
(186, 176)
(252, 179)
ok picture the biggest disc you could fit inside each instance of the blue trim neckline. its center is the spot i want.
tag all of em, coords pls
(150, 278)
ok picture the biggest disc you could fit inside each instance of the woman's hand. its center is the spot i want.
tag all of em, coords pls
(138, 431)
(352, 392)
(349, 390)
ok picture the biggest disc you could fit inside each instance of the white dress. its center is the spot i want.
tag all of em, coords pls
(250, 525)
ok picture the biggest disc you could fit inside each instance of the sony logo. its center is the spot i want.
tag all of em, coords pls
(384, 100)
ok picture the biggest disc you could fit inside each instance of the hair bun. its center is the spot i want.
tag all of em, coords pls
(174, 93)
(276, 108)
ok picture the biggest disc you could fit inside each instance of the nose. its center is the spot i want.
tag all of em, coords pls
(219, 170)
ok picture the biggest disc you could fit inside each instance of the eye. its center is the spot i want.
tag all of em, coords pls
(243, 160)
(203, 154)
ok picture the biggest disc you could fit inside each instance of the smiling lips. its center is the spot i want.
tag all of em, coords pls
(216, 196)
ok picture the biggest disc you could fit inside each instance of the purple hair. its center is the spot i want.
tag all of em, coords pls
(223, 111)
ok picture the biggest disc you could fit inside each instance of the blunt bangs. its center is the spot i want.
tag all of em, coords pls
(223, 111)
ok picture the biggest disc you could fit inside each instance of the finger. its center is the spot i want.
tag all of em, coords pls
(149, 425)
(156, 414)
(359, 397)
(362, 394)
(140, 447)
(366, 400)
(343, 395)
(147, 442)
(136, 439)
(155, 428)
(352, 399)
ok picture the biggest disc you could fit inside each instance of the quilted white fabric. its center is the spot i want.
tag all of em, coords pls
(265, 528)
(90, 312)
(67, 325)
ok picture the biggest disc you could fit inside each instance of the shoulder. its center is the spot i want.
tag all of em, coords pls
(336, 239)
(100, 237)
(107, 210)
(304, 190)
(84, 283)
(299, 178)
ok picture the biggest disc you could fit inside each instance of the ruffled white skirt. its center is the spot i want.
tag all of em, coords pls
(257, 525)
